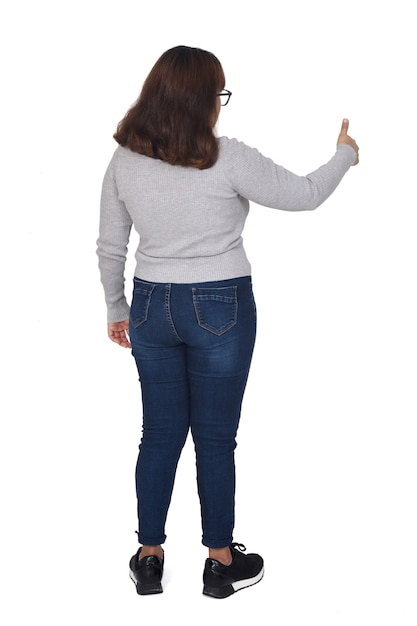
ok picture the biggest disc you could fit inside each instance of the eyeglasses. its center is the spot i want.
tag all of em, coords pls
(224, 97)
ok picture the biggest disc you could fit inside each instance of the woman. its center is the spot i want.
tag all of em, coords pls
(191, 324)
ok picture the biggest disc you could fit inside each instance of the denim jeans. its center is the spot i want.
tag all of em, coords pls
(193, 346)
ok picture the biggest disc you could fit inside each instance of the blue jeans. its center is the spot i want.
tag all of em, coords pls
(193, 346)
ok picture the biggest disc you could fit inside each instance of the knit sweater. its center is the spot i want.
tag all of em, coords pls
(190, 221)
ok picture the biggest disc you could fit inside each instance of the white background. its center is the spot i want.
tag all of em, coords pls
(327, 446)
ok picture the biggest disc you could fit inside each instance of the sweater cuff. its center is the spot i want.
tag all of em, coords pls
(118, 312)
(348, 151)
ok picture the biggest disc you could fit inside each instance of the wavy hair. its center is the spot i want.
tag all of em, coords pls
(174, 116)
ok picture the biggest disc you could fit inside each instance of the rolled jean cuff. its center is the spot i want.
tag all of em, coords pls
(151, 541)
(214, 543)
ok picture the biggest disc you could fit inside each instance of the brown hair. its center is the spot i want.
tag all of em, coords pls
(173, 117)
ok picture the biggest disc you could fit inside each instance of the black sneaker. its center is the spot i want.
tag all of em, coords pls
(220, 581)
(146, 573)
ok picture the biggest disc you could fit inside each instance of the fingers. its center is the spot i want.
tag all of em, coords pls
(347, 139)
(118, 333)
(345, 127)
(121, 339)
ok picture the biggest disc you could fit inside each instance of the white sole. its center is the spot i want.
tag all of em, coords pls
(241, 584)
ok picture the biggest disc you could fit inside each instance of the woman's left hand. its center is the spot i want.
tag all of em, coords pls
(119, 333)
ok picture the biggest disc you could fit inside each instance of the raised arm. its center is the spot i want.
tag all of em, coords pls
(261, 180)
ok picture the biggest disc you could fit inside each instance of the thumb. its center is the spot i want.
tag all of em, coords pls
(345, 127)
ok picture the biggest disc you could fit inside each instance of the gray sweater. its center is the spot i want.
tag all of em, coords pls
(190, 221)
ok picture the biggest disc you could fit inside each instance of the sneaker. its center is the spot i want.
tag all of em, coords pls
(220, 581)
(146, 573)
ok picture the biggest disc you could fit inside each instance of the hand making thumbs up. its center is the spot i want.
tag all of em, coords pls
(345, 138)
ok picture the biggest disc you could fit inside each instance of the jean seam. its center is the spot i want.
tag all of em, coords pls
(168, 312)
(148, 294)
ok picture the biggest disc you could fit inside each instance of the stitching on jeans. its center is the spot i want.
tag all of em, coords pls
(214, 294)
(168, 312)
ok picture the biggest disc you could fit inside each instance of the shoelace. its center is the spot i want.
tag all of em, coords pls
(238, 546)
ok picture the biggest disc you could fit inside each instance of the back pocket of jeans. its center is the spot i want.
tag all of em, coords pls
(140, 303)
(216, 308)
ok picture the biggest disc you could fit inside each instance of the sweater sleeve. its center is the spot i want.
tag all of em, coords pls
(260, 180)
(114, 232)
